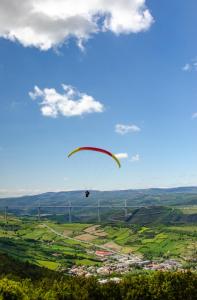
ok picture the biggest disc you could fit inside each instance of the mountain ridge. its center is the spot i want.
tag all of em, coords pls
(179, 189)
(134, 197)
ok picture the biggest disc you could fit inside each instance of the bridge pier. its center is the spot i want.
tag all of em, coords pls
(6, 214)
(39, 216)
(98, 212)
(125, 209)
(70, 212)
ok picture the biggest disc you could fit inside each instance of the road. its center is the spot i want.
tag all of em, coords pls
(85, 242)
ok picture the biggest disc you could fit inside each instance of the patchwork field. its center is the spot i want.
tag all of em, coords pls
(59, 246)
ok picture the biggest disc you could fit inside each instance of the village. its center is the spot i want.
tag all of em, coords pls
(121, 264)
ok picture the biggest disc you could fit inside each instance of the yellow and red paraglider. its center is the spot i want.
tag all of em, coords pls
(97, 150)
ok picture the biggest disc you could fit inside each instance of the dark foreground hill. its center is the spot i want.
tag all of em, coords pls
(17, 268)
(47, 285)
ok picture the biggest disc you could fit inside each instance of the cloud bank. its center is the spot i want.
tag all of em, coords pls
(70, 103)
(49, 23)
(124, 129)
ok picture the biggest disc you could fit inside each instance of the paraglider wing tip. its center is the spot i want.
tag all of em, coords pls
(74, 151)
(117, 160)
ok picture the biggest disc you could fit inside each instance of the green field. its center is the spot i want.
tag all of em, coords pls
(58, 246)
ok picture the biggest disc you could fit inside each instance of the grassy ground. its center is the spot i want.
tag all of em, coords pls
(32, 241)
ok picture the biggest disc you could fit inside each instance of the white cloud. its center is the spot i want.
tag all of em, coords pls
(194, 116)
(187, 67)
(190, 66)
(48, 23)
(121, 155)
(135, 158)
(70, 103)
(124, 129)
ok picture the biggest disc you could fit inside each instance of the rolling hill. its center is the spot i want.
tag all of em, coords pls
(138, 197)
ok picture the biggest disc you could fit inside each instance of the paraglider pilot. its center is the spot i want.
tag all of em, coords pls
(87, 193)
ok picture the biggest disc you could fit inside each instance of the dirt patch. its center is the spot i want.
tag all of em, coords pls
(85, 237)
(92, 229)
(95, 230)
(67, 232)
(113, 246)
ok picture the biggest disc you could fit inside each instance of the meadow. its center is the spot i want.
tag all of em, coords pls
(57, 246)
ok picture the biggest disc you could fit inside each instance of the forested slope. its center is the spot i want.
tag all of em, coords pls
(23, 281)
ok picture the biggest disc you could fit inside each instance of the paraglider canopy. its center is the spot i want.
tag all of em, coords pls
(97, 150)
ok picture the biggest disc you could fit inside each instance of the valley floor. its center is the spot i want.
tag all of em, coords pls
(89, 249)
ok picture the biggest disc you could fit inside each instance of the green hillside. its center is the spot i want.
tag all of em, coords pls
(58, 246)
(137, 287)
(24, 281)
(17, 268)
(156, 215)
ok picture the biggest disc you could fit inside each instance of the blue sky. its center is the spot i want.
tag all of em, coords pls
(131, 63)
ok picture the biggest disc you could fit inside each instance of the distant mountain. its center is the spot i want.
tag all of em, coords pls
(184, 189)
(138, 197)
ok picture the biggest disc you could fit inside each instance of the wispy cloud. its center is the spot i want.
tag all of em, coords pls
(186, 67)
(192, 66)
(122, 155)
(124, 129)
(135, 158)
(194, 116)
(70, 103)
(49, 23)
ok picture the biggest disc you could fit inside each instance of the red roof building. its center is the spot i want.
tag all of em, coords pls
(103, 253)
